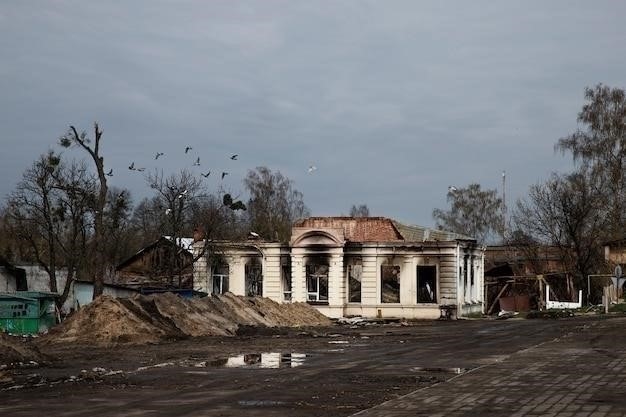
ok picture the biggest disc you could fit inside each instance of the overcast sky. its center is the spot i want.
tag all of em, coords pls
(392, 101)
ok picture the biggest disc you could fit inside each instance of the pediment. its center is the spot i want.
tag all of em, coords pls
(317, 237)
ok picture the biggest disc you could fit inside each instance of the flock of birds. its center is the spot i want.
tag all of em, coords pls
(132, 167)
(227, 197)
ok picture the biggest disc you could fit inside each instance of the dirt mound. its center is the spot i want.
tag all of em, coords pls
(149, 319)
(109, 321)
(14, 349)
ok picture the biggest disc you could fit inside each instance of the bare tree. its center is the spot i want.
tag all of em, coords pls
(82, 141)
(173, 202)
(473, 212)
(121, 240)
(274, 203)
(566, 212)
(50, 212)
(601, 147)
(359, 211)
(32, 213)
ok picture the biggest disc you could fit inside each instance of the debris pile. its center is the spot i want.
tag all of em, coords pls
(150, 319)
(17, 350)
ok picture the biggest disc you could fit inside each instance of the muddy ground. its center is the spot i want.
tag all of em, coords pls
(322, 371)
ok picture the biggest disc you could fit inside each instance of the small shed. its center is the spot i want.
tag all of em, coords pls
(27, 312)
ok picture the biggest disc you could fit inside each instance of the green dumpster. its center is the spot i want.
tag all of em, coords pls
(27, 312)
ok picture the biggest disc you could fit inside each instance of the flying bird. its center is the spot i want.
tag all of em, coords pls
(312, 168)
(131, 166)
(207, 174)
(197, 163)
(224, 174)
(158, 154)
(141, 169)
(234, 157)
(184, 193)
(110, 173)
(188, 148)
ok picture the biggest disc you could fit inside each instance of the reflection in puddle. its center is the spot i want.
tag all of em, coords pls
(261, 360)
(439, 369)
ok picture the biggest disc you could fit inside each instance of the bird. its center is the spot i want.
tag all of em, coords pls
(312, 168)
(188, 148)
(451, 189)
(234, 157)
(110, 173)
(158, 154)
(224, 174)
(182, 194)
(131, 166)
(254, 234)
(168, 211)
(141, 169)
(197, 163)
(206, 175)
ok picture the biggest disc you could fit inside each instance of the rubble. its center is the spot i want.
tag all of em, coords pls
(155, 318)
(18, 351)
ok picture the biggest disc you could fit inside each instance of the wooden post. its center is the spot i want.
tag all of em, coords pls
(497, 298)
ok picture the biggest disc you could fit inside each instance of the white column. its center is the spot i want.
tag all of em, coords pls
(201, 275)
(298, 278)
(236, 276)
(336, 280)
(408, 281)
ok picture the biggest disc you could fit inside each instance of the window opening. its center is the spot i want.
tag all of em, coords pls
(390, 283)
(426, 284)
(317, 282)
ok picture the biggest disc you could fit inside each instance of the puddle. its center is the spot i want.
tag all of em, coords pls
(271, 360)
(456, 371)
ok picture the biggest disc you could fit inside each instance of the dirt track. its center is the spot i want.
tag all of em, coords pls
(345, 370)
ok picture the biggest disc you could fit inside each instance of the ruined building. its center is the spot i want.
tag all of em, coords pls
(345, 266)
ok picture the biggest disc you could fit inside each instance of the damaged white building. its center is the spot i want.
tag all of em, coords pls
(352, 266)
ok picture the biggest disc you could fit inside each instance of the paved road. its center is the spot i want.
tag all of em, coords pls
(566, 368)
(579, 374)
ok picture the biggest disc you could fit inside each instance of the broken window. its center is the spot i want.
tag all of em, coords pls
(317, 282)
(426, 284)
(254, 278)
(390, 283)
(220, 279)
(286, 280)
(355, 270)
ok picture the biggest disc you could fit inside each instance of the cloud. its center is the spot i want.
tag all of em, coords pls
(392, 101)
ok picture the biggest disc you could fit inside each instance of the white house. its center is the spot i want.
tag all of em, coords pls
(345, 266)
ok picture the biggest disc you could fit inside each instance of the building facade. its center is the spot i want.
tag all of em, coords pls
(344, 266)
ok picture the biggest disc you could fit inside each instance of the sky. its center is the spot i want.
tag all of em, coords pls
(392, 101)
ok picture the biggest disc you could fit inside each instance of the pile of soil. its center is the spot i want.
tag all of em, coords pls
(143, 319)
(15, 350)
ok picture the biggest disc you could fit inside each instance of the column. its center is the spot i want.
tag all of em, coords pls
(298, 278)
(336, 280)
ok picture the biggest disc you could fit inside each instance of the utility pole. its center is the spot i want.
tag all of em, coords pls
(503, 205)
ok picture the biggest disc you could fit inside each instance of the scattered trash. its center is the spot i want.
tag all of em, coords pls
(259, 403)
(456, 371)
(351, 320)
